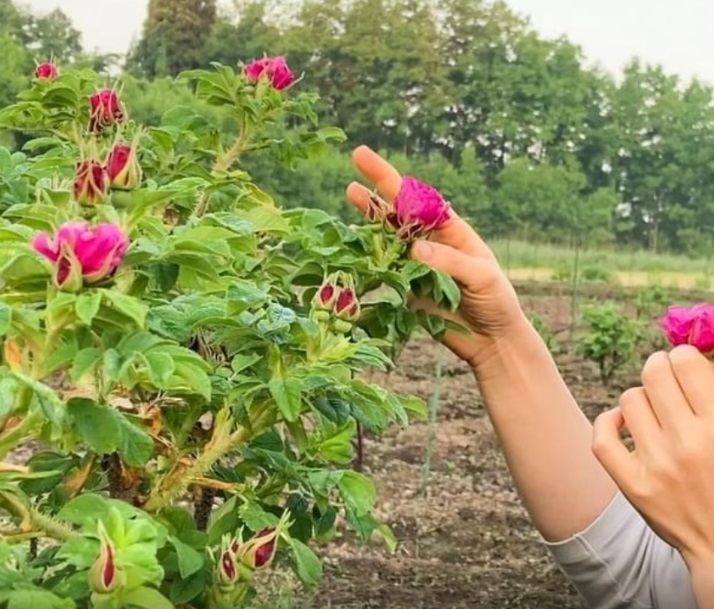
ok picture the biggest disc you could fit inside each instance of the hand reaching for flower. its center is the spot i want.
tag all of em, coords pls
(489, 305)
(668, 476)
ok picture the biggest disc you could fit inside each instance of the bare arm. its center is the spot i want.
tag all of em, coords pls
(545, 436)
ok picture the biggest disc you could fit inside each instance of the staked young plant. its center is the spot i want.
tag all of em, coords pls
(611, 339)
(181, 355)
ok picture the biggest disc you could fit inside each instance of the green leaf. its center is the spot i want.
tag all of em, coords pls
(38, 599)
(160, 367)
(307, 565)
(129, 306)
(87, 306)
(339, 448)
(135, 446)
(189, 560)
(97, 425)
(256, 518)
(286, 393)
(84, 508)
(5, 318)
(84, 361)
(358, 492)
(146, 598)
(447, 291)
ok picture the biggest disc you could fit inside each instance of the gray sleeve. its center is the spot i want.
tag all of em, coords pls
(618, 562)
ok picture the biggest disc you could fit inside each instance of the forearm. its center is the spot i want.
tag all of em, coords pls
(545, 436)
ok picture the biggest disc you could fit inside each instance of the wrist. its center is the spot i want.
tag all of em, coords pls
(519, 340)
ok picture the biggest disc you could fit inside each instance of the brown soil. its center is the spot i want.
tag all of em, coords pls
(468, 543)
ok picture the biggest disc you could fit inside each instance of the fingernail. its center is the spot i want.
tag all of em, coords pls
(422, 250)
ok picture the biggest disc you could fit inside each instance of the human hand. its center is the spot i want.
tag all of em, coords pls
(669, 476)
(489, 306)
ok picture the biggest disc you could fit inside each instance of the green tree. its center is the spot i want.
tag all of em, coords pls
(174, 35)
(52, 36)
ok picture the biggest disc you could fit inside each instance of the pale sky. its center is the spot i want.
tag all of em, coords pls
(679, 34)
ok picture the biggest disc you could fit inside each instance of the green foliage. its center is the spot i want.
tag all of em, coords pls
(192, 399)
(173, 38)
(611, 339)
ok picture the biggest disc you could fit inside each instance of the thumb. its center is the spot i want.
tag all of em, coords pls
(468, 271)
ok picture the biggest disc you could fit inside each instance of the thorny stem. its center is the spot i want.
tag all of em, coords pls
(223, 162)
(37, 520)
(10, 439)
(174, 483)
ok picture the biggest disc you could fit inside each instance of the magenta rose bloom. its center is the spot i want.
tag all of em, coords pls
(274, 68)
(82, 253)
(418, 209)
(690, 326)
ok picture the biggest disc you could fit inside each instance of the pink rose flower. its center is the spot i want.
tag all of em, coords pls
(82, 253)
(274, 68)
(690, 326)
(418, 210)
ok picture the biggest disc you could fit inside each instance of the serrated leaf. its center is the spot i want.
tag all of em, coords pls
(129, 306)
(87, 306)
(286, 393)
(358, 492)
(97, 425)
(189, 560)
(307, 565)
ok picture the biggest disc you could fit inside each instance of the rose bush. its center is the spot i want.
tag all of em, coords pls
(182, 355)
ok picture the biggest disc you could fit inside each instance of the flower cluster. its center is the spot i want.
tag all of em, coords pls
(336, 301)
(418, 210)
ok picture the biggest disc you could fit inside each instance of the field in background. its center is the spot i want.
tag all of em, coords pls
(542, 262)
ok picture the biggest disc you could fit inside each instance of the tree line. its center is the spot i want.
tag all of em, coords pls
(524, 137)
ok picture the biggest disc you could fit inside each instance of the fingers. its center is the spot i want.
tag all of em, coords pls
(668, 401)
(610, 451)
(695, 375)
(377, 171)
(641, 422)
(469, 272)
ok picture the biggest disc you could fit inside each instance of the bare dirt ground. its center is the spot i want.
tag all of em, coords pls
(469, 542)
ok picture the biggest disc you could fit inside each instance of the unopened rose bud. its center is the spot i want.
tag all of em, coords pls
(325, 298)
(46, 71)
(227, 569)
(106, 110)
(347, 306)
(123, 167)
(258, 552)
(91, 182)
(103, 575)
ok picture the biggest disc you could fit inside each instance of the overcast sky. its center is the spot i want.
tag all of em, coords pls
(679, 34)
